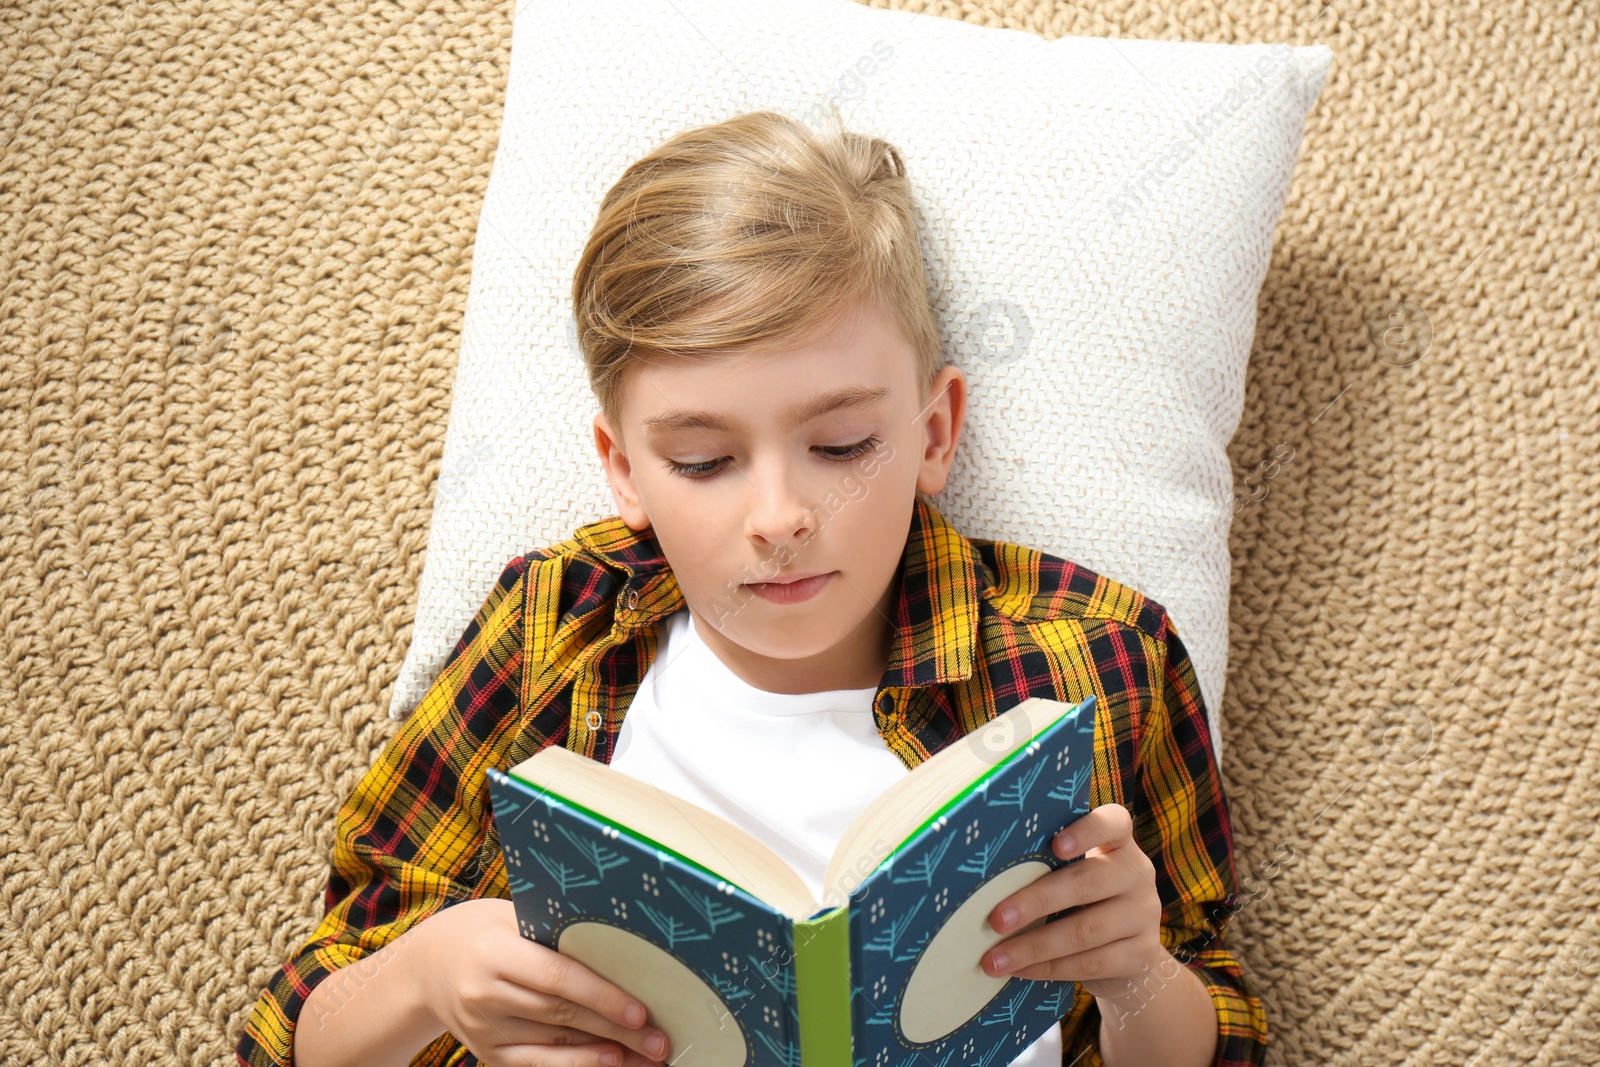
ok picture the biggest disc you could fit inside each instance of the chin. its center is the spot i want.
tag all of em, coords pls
(781, 639)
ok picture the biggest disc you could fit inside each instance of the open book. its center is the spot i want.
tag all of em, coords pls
(735, 959)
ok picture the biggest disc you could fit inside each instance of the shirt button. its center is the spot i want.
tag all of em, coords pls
(633, 599)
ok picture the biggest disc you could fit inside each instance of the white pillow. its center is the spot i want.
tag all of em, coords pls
(1098, 219)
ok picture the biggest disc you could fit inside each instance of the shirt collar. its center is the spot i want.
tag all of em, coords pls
(935, 616)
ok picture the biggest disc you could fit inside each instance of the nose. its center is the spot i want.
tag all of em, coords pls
(778, 515)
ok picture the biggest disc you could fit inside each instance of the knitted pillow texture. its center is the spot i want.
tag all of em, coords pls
(1097, 220)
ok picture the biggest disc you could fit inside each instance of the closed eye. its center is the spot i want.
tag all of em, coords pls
(838, 453)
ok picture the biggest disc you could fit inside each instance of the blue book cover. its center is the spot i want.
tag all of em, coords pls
(888, 978)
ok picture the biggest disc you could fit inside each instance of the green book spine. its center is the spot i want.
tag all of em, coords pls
(822, 984)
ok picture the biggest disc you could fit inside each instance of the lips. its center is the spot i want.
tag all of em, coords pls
(791, 589)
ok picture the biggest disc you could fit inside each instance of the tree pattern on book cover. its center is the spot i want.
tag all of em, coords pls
(716, 963)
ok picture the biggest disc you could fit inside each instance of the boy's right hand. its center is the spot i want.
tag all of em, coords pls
(515, 1003)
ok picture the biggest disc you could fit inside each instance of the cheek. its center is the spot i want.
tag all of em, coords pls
(861, 528)
(689, 541)
(885, 479)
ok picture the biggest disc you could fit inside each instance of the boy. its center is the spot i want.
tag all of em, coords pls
(775, 625)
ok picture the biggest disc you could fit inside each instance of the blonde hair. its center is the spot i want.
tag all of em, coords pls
(753, 233)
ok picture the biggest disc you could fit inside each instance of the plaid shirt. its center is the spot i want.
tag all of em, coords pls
(559, 647)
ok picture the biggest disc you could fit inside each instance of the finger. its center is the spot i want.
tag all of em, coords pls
(552, 1010)
(627, 1057)
(1085, 930)
(1107, 830)
(1106, 961)
(550, 972)
(631, 1058)
(1106, 827)
(538, 1054)
(1092, 879)
(514, 1032)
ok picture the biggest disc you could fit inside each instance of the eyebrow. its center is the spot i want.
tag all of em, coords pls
(849, 396)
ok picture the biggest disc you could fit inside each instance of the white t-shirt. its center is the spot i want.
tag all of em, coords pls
(794, 769)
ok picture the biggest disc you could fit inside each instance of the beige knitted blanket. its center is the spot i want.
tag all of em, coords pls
(234, 251)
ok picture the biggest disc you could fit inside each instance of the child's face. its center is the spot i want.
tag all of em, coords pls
(764, 496)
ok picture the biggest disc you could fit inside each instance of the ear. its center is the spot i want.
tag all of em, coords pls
(619, 472)
(947, 409)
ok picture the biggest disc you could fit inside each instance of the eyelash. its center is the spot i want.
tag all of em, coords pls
(697, 471)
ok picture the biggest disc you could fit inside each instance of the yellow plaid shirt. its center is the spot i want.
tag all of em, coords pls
(557, 650)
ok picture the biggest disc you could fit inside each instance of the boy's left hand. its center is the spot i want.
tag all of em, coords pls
(1114, 936)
